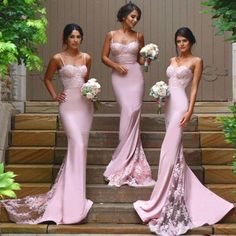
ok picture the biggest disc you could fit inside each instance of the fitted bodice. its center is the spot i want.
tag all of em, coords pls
(125, 53)
(72, 76)
(179, 76)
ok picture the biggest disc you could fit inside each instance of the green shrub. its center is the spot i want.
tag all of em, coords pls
(229, 127)
(22, 28)
(7, 183)
(224, 13)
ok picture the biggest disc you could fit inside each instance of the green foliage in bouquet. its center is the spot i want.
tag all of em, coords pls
(7, 183)
(229, 127)
(22, 28)
(224, 13)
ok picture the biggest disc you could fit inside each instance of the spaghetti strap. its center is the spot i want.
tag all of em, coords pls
(84, 59)
(111, 36)
(61, 59)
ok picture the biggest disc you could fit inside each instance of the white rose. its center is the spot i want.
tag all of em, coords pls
(92, 80)
(89, 95)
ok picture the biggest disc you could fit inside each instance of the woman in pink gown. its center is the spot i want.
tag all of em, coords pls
(179, 201)
(66, 202)
(128, 165)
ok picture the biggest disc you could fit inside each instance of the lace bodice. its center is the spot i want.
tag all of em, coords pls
(125, 53)
(179, 76)
(72, 76)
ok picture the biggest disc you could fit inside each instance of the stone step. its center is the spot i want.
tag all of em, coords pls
(98, 193)
(225, 229)
(117, 213)
(218, 174)
(107, 139)
(149, 139)
(91, 229)
(30, 155)
(112, 107)
(48, 173)
(217, 156)
(23, 229)
(34, 121)
(32, 138)
(213, 139)
(32, 189)
(208, 122)
(32, 173)
(226, 191)
(102, 193)
(149, 122)
(101, 122)
(96, 156)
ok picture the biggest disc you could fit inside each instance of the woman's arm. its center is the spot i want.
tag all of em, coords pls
(88, 65)
(105, 56)
(53, 66)
(140, 59)
(198, 67)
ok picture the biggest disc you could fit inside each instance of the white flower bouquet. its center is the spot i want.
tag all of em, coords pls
(90, 90)
(149, 51)
(159, 91)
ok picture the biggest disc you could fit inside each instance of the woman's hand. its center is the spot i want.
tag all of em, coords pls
(122, 70)
(61, 97)
(185, 119)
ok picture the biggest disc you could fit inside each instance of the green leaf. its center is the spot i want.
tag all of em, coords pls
(223, 12)
(8, 193)
(8, 174)
(5, 2)
(6, 182)
(15, 186)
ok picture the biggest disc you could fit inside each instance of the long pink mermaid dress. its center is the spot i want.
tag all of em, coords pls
(179, 201)
(66, 202)
(128, 165)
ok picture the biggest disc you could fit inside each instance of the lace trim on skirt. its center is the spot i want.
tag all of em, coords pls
(136, 173)
(174, 218)
(30, 209)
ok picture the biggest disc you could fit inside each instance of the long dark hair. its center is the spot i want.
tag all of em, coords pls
(126, 9)
(68, 30)
(186, 33)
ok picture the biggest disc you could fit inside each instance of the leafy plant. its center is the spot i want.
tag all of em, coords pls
(224, 13)
(22, 28)
(229, 127)
(7, 183)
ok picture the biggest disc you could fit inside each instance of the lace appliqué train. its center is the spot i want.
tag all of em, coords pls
(174, 218)
(30, 209)
(136, 173)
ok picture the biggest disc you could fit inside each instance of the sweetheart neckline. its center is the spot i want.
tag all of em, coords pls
(175, 67)
(76, 66)
(134, 41)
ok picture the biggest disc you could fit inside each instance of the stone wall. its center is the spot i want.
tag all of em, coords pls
(234, 71)
(6, 111)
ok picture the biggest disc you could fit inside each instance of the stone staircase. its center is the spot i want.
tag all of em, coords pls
(38, 146)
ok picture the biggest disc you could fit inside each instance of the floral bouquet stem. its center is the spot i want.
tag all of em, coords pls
(159, 107)
(146, 65)
(96, 105)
